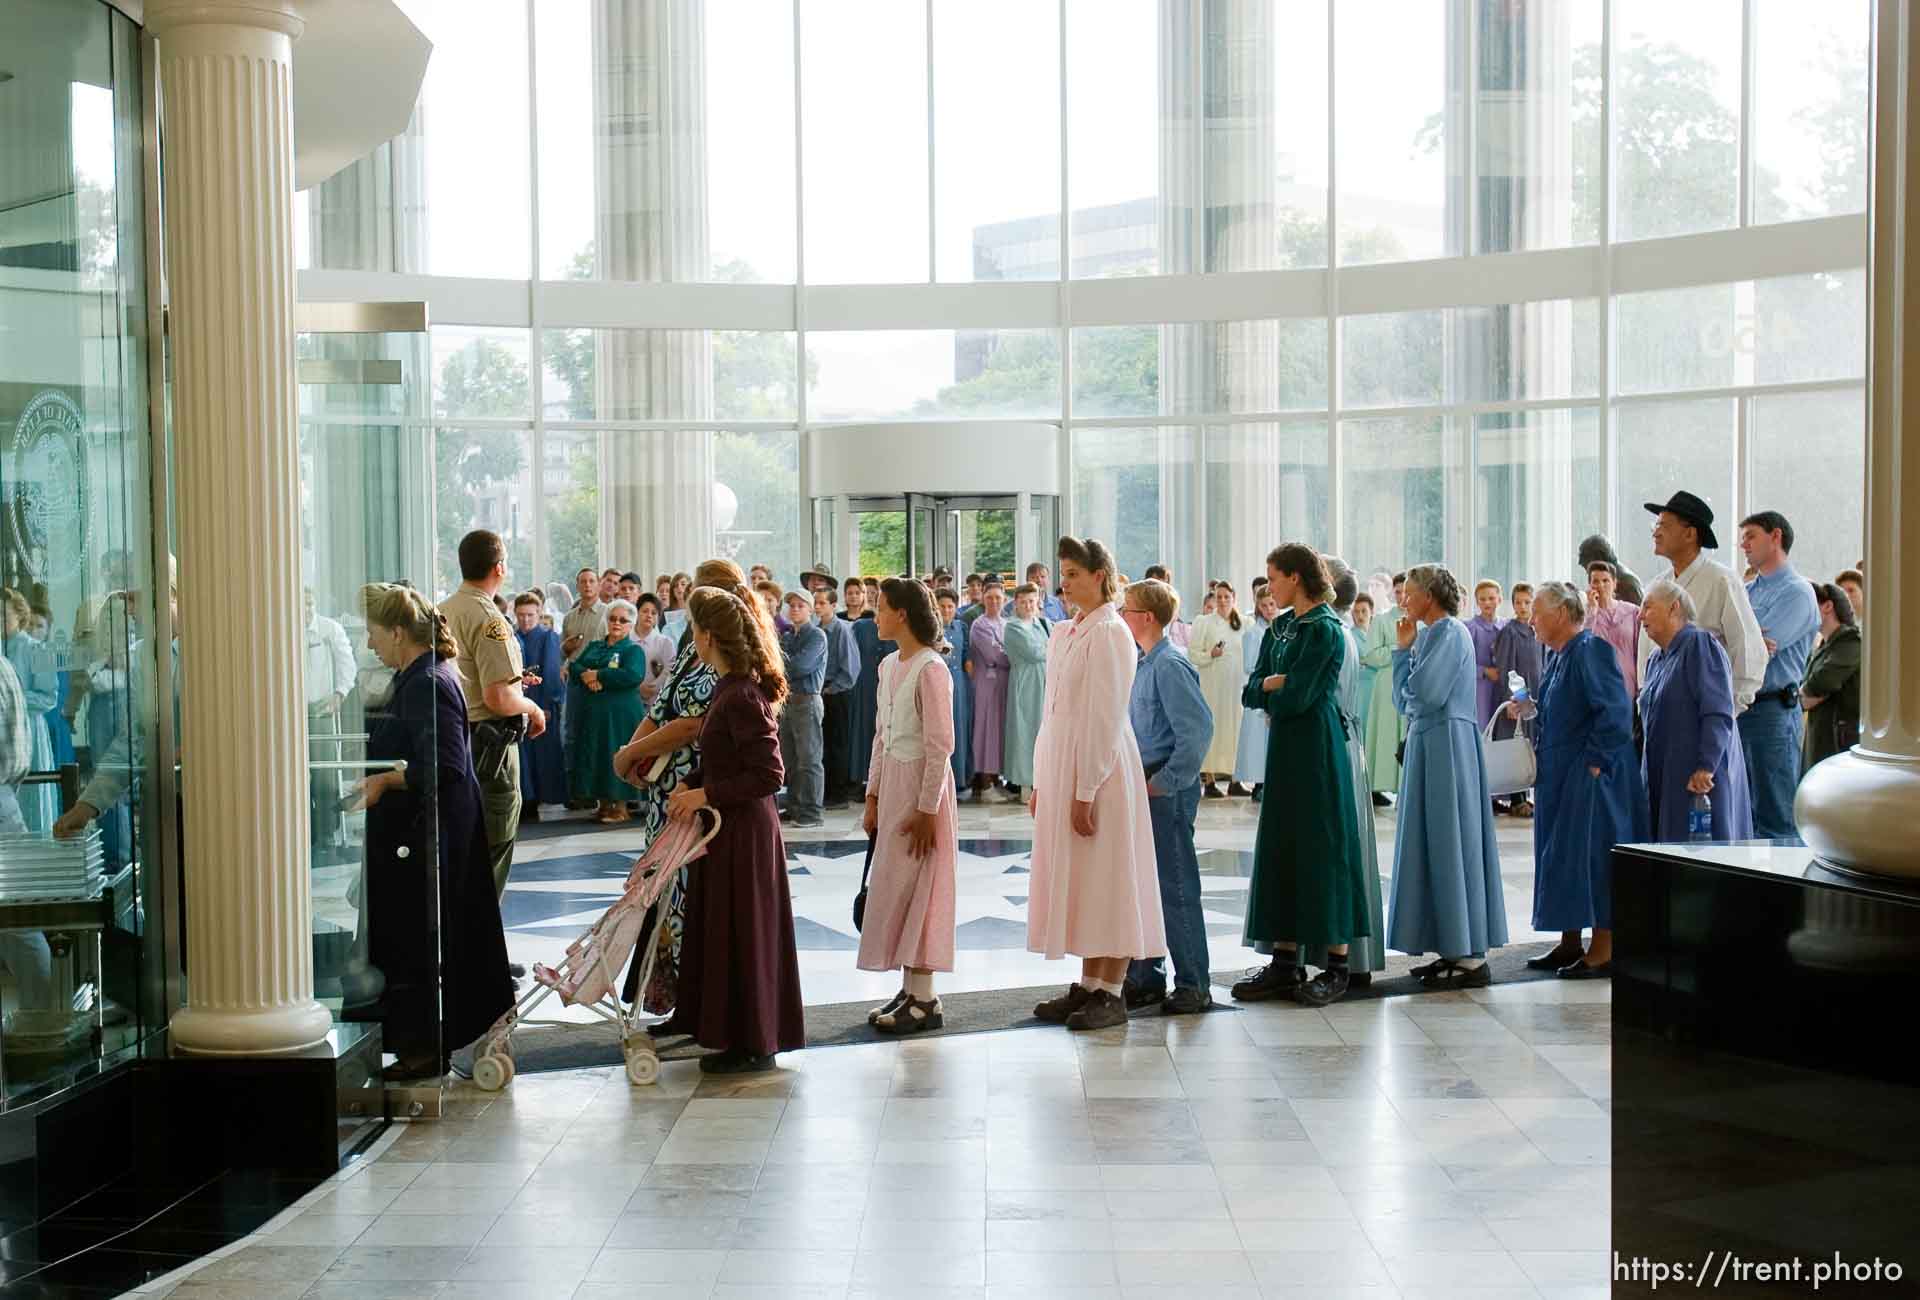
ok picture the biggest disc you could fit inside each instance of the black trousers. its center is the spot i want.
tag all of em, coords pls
(836, 743)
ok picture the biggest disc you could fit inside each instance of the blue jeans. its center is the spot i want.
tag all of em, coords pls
(1179, 870)
(1770, 734)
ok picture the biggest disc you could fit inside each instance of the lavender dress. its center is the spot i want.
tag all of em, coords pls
(988, 651)
(1483, 631)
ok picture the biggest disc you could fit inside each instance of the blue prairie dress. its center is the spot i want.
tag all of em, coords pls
(1446, 893)
(956, 658)
(1584, 722)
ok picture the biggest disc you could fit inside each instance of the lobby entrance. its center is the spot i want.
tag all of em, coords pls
(919, 532)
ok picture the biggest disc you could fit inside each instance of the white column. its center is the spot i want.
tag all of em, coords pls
(225, 72)
(1856, 809)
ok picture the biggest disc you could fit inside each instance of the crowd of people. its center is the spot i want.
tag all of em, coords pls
(1684, 707)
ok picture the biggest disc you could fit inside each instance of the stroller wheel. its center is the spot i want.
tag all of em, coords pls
(493, 1072)
(643, 1067)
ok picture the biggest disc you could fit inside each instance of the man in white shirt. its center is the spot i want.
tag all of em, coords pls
(1682, 530)
(331, 673)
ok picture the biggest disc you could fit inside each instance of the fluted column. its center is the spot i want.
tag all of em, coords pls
(1856, 809)
(225, 76)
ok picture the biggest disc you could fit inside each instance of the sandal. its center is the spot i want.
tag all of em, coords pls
(1454, 976)
(887, 1008)
(912, 1017)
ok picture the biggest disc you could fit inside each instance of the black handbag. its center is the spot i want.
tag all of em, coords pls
(860, 899)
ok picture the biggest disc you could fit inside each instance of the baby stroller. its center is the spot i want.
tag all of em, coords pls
(589, 975)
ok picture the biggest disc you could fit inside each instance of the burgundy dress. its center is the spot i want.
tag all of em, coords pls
(739, 972)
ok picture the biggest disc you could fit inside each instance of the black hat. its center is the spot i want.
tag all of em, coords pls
(819, 570)
(1693, 510)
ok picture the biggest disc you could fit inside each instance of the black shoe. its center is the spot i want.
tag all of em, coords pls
(1186, 1001)
(1101, 1010)
(834, 805)
(1139, 995)
(1454, 976)
(1433, 967)
(1278, 980)
(667, 1029)
(735, 1061)
(1256, 792)
(530, 813)
(516, 970)
(1381, 801)
(1238, 791)
(1360, 979)
(803, 823)
(1056, 1010)
(1579, 970)
(1554, 960)
(786, 814)
(1212, 792)
(1324, 989)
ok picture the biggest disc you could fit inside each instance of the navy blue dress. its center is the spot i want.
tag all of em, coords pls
(1686, 713)
(865, 711)
(1584, 723)
(543, 762)
(436, 816)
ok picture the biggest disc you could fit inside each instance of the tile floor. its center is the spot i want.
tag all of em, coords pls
(1436, 1145)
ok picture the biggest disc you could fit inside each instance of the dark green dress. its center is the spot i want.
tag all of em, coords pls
(607, 717)
(1308, 882)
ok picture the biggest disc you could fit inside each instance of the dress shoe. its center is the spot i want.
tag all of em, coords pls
(1579, 970)
(1382, 800)
(735, 1061)
(1554, 960)
(1278, 980)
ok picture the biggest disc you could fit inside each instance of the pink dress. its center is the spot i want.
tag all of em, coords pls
(909, 918)
(1099, 895)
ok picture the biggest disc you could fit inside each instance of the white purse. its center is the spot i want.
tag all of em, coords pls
(1511, 767)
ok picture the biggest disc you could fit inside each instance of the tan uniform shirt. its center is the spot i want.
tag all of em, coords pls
(588, 622)
(487, 653)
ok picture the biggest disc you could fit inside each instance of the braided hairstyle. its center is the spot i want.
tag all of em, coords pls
(742, 635)
(910, 598)
(402, 609)
(1438, 582)
(1093, 556)
(1298, 560)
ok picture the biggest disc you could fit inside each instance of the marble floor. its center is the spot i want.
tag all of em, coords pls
(1437, 1145)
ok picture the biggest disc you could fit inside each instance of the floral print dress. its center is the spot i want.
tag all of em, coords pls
(687, 693)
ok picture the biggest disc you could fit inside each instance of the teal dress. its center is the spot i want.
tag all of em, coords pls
(607, 717)
(1308, 875)
(1026, 646)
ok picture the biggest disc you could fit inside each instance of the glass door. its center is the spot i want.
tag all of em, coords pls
(366, 518)
(976, 535)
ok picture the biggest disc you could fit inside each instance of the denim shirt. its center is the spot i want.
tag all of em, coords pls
(1789, 615)
(843, 657)
(805, 649)
(1171, 721)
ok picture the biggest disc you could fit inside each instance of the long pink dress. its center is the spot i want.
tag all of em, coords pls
(909, 917)
(1099, 895)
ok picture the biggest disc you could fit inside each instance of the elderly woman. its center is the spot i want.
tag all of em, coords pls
(423, 825)
(1095, 887)
(1446, 897)
(1686, 715)
(1830, 692)
(605, 701)
(1590, 795)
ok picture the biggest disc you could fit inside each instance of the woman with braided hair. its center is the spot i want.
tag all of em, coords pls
(739, 973)
(1095, 887)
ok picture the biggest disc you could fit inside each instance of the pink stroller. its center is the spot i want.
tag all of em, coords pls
(588, 976)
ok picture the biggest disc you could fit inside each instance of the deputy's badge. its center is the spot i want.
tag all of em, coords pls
(496, 631)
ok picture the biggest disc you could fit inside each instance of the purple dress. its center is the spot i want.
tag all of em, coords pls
(988, 651)
(1483, 631)
(1686, 711)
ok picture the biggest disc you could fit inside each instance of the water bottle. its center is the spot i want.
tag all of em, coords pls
(1700, 820)
(1517, 687)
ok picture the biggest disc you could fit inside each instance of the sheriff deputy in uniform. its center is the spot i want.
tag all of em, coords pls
(499, 714)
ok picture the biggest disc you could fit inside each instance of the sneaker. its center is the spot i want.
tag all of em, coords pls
(1056, 1010)
(1137, 995)
(1187, 1002)
(1278, 980)
(804, 823)
(1101, 1010)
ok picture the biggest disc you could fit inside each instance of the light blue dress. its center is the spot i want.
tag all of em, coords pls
(1026, 647)
(1447, 897)
(1250, 765)
(40, 683)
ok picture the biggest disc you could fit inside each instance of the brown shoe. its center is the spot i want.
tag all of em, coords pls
(1101, 1010)
(1056, 1010)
